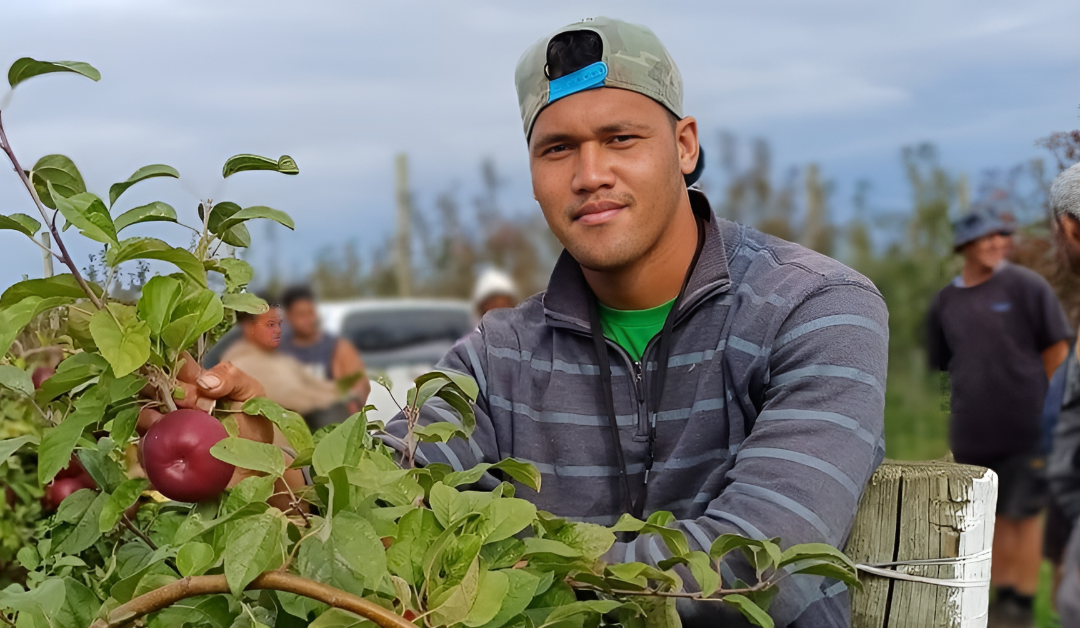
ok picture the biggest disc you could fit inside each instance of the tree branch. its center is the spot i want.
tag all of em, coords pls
(65, 257)
(270, 580)
(137, 532)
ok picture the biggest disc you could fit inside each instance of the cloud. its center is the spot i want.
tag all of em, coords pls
(342, 86)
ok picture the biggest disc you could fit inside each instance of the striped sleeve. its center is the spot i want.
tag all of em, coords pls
(816, 440)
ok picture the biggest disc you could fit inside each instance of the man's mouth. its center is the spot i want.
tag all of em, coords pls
(597, 212)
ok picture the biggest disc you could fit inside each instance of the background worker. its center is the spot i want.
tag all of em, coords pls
(1000, 332)
(286, 380)
(494, 290)
(327, 356)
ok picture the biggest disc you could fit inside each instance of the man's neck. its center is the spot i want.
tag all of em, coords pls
(304, 341)
(975, 273)
(656, 277)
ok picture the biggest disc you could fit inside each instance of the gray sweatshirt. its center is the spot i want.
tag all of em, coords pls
(769, 425)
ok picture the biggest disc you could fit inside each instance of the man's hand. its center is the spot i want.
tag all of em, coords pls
(204, 389)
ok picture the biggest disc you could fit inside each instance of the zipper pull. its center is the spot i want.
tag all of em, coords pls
(637, 383)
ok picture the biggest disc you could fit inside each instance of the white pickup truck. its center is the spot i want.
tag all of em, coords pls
(399, 339)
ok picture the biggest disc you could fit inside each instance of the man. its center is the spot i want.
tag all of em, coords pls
(677, 361)
(286, 381)
(1064, 467)
(494, 290)
(1000, 332)
(325, 355)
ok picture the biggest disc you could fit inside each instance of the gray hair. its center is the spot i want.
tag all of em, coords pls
(1065, 193)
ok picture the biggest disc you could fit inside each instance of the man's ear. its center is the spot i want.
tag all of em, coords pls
(686, 137)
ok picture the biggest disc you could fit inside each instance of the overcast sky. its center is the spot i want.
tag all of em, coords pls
(342, 86)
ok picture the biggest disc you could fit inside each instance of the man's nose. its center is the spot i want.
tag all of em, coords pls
(593, 169)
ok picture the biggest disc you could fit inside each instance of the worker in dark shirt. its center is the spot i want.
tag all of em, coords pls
(1000, 332)
(325, 355)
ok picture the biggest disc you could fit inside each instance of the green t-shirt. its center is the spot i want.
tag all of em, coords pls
(633, 329)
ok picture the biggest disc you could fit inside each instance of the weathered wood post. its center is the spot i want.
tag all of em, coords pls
(923, 536)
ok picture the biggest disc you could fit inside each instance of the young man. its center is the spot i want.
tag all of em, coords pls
(1000, 332)
(677, 361)
(286, 381)
(325, 355)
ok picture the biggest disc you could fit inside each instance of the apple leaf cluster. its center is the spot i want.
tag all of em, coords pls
(369, 540)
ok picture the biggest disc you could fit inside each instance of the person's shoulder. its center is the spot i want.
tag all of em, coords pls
(783, 266)
(1023, 275)
(507, 327)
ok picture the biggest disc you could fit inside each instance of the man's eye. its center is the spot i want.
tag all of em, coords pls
(558, 148)
(622, 138)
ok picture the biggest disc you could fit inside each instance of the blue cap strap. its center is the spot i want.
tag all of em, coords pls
(587, 77)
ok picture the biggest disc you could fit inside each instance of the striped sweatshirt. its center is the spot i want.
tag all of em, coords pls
(769, 425)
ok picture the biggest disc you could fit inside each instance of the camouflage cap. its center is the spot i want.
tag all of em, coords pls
(632, 58)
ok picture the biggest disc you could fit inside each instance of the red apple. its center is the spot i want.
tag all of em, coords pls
(58, 490)
(41, 374)
(73, 469)
(176, 456)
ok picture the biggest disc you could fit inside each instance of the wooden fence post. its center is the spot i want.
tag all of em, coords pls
(939, 518)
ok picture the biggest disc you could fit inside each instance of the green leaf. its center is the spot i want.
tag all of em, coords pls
(72, 373)
(727, 542)
(447, 504)
(245, 302)
(257, 211)
(338, 618)
(521, 471)
(14, 318)
(151, 212)
(249, 454)
(142, 174)
(11, 445)
(16, 379)
(121, 499)
(491, 590)
(159, 298)
(521, 587)
(152, 248)
(438, 432)
(503, 518)
(194, 558)
(61, 173)
(238, 273)
(88, 213)
(358, 546)
(453, 605)
(122, 338)
(27, 68)
(80, 605)
(291, 424)
(592, 607)
(242, 163)
(56, 286)
(252, 547)
(193, 316)
(36, 607)
(701, 567)
(751, 611)
(237, 235)
(814, 550)
(21, 223)
(87, 530)
(549, 546)
(342, 446)
(58, 442)
(828, 567)
(593, 541)
(256, 489)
